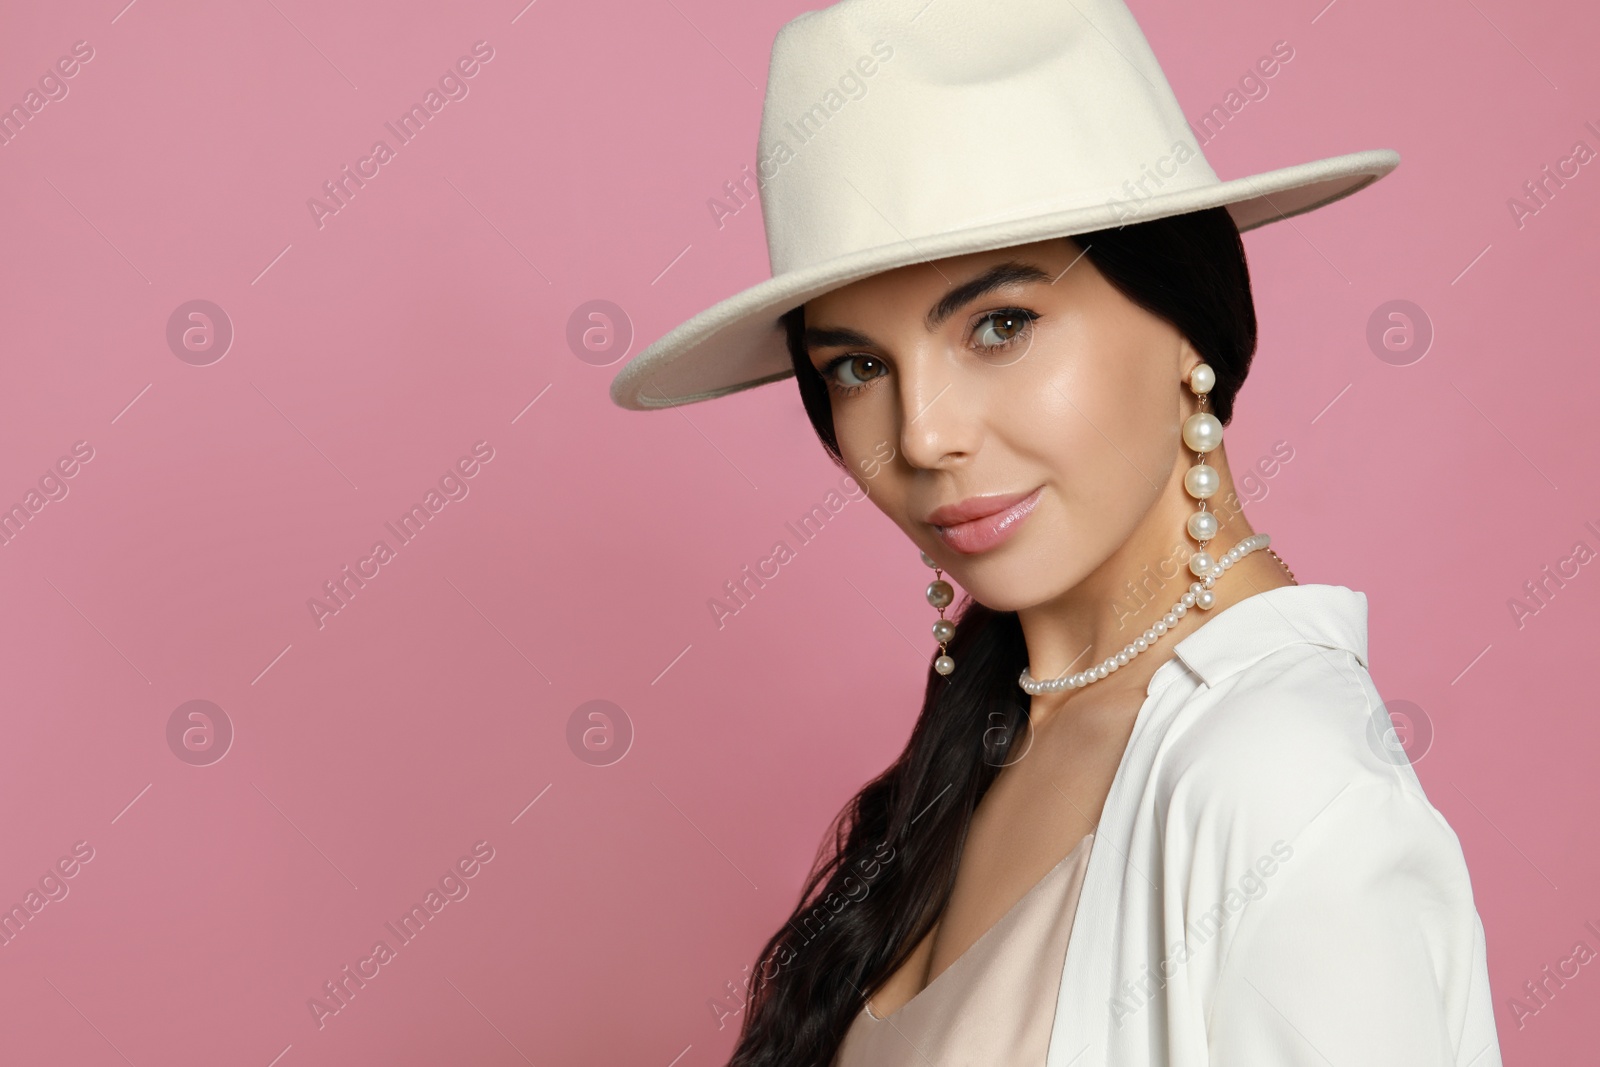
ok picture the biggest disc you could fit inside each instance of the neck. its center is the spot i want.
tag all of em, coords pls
(1134, 588)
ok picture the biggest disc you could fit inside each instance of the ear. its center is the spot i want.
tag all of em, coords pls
(1188, 359)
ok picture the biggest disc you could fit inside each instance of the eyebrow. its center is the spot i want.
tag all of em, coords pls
(1011, 272)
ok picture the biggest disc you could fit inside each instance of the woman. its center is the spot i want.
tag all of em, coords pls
(1147, 814)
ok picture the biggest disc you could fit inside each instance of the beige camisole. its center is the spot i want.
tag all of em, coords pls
(995, 1004)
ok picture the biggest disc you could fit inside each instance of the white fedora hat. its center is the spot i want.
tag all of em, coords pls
(900, 131)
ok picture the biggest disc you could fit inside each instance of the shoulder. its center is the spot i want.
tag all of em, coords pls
(1269, 749)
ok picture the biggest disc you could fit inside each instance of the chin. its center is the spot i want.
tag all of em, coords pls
(1015, 590)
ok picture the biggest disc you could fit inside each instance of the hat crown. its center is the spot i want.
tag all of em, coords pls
(886, 121)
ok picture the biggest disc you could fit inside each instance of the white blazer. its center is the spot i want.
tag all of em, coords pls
(1268, 884)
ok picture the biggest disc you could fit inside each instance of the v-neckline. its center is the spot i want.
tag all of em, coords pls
(866, 1006)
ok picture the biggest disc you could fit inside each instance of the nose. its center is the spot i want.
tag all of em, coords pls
(937, 427)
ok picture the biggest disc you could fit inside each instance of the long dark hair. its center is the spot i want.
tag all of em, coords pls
(888, 863)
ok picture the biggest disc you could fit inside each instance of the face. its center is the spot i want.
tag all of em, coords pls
(1013, 413)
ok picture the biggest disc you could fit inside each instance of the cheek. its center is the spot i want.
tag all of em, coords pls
(1102, 421)
(872, 456)
(1122, 392)
(856, 436)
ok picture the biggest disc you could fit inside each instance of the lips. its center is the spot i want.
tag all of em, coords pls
(980, 523)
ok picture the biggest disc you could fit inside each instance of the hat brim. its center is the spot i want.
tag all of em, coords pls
(738, 343)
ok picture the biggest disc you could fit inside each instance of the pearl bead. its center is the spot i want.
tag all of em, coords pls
(1199, 595)
(1199, 563)
(944, 664)
(928, 560)
(1202, 431)
(1202, 481)
(943, 630)
(940, 594)
(1202, 524)
(1202, 379)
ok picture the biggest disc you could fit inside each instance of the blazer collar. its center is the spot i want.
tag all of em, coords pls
(1241, 634)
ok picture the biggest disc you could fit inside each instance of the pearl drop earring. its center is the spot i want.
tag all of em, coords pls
(940, 594)
(1202, 432)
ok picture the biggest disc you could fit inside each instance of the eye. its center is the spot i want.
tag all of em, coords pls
(852, 373)
(1002, 328)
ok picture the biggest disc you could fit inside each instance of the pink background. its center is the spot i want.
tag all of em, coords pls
(429, 313)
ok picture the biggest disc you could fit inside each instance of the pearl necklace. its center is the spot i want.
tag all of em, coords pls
(1199, 596)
